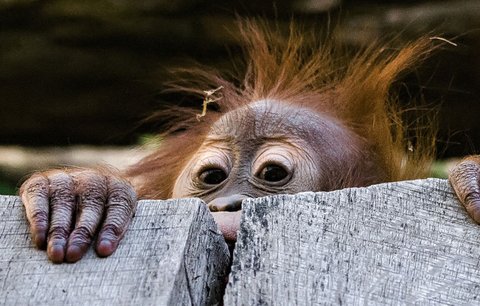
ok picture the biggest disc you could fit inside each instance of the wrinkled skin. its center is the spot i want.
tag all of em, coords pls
(67, 208)
(311, 148)
(262, 149)
(465, 180)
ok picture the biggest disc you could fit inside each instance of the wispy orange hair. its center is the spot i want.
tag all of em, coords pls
(300, 69)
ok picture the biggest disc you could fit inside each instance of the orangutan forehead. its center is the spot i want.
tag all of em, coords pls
(271, 119)
(265, 119)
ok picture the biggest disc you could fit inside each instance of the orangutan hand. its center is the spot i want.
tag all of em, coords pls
(465, 180)
(65, 209)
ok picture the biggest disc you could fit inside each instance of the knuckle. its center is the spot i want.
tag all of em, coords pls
(89, 177)
(36, 184)
(112, 231)
(58, 176)
(89, 219)
(472, 198)
(81, 235)
(39, 228)
(61, 186)
(122, 200)
(39, 216)
(58, 233)
(121, 193)
(94, 197)
(91, 186)
(464, 169)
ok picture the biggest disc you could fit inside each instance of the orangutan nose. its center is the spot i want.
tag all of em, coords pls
(230, 203)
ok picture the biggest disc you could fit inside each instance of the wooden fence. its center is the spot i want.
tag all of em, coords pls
(390, 244)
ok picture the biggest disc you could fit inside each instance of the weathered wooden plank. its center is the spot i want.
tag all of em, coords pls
(172, 254)
(390, 244)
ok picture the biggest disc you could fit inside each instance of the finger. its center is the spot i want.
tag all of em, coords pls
(34, 194)
(91, 188)
(62, 207)
(465, 180)
(121, 204)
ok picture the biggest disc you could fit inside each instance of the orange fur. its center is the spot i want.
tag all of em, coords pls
(302, 70)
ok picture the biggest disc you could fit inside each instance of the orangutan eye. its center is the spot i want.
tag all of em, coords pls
(213, 176)
(273, 173)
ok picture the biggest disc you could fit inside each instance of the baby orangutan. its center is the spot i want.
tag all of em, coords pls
(302, 118)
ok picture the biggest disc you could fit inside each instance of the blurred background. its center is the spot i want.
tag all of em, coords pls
(77, 77)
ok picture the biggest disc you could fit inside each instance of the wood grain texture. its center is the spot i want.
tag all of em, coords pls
(406, 243)
(172, 254)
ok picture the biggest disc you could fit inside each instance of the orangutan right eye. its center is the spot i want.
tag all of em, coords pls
(272, 173)
(212, 176)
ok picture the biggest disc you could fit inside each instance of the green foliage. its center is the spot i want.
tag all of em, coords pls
(7, 189)
(439, 169)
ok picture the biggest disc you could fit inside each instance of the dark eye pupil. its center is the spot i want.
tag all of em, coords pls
(273, 173)
(213, 176)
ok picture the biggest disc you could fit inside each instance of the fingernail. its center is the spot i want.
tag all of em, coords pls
(105, 248)
(56, 253)
(74, 253)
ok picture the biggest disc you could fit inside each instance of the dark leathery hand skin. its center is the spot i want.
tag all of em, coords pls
(119, 212)
(66, 208)
(464, 179)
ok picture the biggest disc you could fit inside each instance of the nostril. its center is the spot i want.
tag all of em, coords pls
(212, 206)
(234, 205)
(229, 203)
